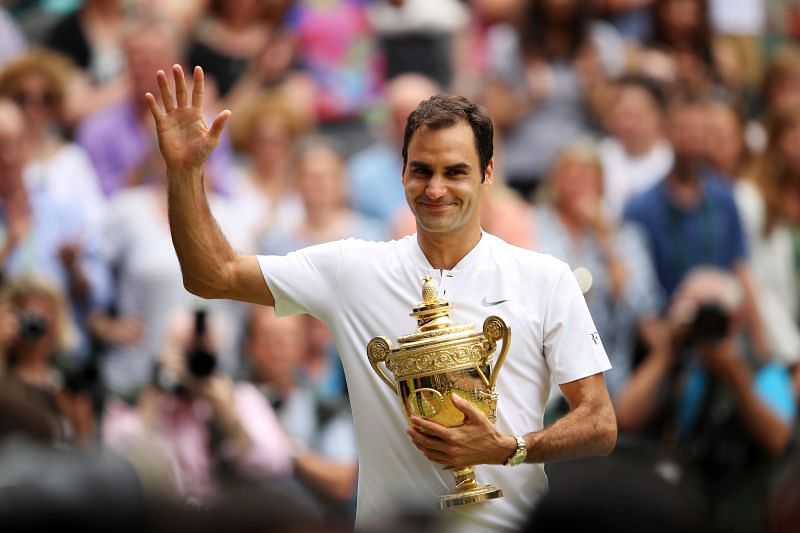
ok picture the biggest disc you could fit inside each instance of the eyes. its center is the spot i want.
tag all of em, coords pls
(449, 173)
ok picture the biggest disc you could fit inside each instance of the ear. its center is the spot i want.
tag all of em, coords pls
(488, 178)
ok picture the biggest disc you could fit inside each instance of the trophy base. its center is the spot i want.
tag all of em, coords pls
(469, 496)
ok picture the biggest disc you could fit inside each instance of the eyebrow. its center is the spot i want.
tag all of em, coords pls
(419, 165)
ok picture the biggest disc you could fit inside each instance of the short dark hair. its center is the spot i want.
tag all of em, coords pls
(653, 88)
(446, 110)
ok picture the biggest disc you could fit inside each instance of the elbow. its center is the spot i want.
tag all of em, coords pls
(197, 288)
(607, 433)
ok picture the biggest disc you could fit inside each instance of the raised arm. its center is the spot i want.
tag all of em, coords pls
(210, 267)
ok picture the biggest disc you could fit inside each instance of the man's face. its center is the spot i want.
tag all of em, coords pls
(635, 119)
(442, 179)
(687, 132)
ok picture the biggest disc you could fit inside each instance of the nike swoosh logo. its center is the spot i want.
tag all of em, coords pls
(487, 303)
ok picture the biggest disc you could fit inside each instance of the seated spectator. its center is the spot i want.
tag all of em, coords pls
(574, 228)
(336, 46)
(35, 330)
(322, 187)
(91, 37)
(374, 175)
(203, 424)
(769, 200)
(636, 153)
(322, 432)
(266, 131)
(147, 286)
(120, 138)
(717, 422)
(40, 235)
(38, 82)
(548, 80)
(230, 42)
(729, 154)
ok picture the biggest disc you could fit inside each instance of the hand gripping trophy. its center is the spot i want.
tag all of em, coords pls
(439, 359)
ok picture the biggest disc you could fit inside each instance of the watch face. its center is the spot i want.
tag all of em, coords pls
(518, 459)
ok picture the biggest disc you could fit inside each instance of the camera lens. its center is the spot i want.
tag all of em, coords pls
(32, 326)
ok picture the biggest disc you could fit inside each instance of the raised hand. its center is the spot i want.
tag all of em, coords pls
(183, 137)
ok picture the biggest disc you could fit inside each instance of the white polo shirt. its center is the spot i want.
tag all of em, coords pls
(365, 289)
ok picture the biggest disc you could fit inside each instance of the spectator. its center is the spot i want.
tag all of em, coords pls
(374, 174)
(418, 36)
(781, 88)
(322, 431)
(35, 330)
(234, 36)
(38, 82)
(199, 419)
(42, 236)
(92, 37)
(119, 138)
(338, 49)
(574, 228)
(548, 72)
(147, 286)
(323, 189)
(717, 420)
(769, 200)
(729, 154)
(266, 131)
(636, 153)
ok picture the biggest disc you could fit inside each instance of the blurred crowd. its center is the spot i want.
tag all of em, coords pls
(652, 144)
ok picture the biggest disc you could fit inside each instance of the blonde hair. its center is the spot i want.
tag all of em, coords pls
(266, 104)
(55, 68)
(17, 291)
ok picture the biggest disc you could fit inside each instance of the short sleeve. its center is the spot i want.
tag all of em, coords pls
(303, 281)
(572, 347)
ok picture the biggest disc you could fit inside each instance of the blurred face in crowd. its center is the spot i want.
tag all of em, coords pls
(148, 49)
(442, 179)
(36, 100)
(275, 346)
(43, 310)
(13, 149)
(682, 18)
(404, 93)
(271, 142)
(724, 127)
(320, 179)
(789, 145)
(636, 120)
(577, 183)
(687, 126)
(784, 92)
(238, 12)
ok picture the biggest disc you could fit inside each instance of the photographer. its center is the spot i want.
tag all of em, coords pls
(209, 430)
(720, 425)
(34, 330)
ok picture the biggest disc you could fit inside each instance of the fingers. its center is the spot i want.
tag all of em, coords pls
(425, 441)
(153, 105)
(180, 85)
(166, 94)
(219, 123)
(431, 428)
(198, 87)
(471, 412)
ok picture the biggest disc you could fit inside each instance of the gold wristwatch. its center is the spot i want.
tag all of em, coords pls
(519, 455)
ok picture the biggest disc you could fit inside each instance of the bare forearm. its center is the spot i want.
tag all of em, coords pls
(637, 401)
(768, 430)
(202, 249)
(588, 430)
(337, 480)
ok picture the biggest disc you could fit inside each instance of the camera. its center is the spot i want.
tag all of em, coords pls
(32, 327)
(711, 323)
(200, 362)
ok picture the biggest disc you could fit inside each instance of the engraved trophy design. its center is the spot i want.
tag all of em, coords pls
(439, 359)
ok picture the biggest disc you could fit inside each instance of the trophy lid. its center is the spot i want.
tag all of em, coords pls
(433, 316)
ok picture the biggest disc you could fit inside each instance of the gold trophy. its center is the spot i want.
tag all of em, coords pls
(439, 359)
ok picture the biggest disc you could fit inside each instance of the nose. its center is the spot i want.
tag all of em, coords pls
(436, 187)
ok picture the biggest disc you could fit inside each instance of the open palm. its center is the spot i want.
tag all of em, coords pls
(183, 137)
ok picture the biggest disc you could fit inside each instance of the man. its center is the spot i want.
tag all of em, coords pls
(363, 289)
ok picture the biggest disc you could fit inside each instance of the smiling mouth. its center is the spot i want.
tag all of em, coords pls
(435, 207)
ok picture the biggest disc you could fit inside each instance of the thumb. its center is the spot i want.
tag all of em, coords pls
(469, 409)
(219, 124)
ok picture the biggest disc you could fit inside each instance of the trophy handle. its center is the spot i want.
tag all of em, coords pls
(378, 350)
(495, 328)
